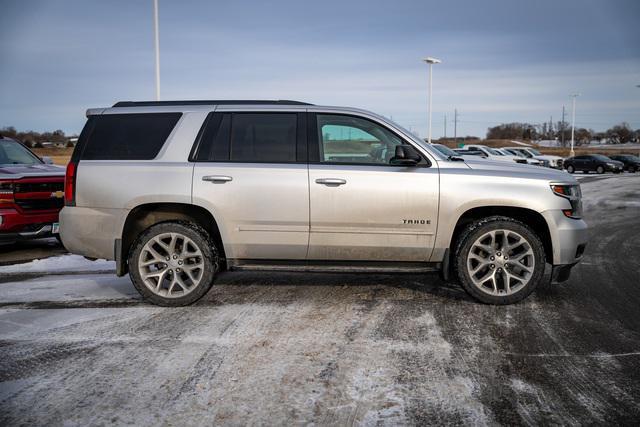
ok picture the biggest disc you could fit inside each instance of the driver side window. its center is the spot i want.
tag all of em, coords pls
(347, 139)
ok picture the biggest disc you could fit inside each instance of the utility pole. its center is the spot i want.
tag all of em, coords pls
(551, 127)
(455, 126)
(562, 127)
(156, 33)
(445, 126)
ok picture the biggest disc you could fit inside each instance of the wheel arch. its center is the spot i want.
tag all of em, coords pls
(144, 216)
(528, 216)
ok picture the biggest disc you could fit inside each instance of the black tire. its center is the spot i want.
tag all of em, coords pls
(204, 243)
(632, 169)
(571, 169)
(600, 170)
(474, 231)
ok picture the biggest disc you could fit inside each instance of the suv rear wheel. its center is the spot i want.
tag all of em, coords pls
(173, 263)
(499, 260)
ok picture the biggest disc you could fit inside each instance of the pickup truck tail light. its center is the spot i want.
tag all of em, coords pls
(70, 184)
(6, 192)
(574, 195)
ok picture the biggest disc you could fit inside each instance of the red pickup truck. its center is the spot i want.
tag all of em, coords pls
(31, 193)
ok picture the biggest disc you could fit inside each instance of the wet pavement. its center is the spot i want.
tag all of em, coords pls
(284, 348)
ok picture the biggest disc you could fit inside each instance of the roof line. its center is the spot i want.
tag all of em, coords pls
(206, 102)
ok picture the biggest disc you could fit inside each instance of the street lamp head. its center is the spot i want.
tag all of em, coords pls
(430, 60)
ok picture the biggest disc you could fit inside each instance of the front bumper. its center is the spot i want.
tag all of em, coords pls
(568, 237)
(614, 169)
(15, 225)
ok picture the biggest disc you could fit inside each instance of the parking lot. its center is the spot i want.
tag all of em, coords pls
(79, 347)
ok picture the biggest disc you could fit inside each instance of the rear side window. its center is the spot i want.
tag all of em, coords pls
(128, 136)
(251, 138)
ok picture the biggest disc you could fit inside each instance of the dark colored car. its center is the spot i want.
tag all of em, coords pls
(593, 162)
(631, 163)
(31, 193)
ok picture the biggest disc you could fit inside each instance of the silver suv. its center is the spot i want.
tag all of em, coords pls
(176, 192)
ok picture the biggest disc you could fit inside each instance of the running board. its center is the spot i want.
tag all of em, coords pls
(331, 267)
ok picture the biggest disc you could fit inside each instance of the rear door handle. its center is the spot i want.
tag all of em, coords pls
(217, 178)
(331, 181)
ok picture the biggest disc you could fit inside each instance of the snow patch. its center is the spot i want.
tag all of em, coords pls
(66, 263)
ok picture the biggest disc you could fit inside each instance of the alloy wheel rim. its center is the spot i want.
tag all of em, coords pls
(500, 262)
(171, 265)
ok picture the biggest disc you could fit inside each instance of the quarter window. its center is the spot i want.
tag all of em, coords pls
(347, 139)
(129, 136)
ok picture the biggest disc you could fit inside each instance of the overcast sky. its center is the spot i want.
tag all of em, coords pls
(503, 61)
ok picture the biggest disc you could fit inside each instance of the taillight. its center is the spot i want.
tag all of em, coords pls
(70, 185)
(6, 192)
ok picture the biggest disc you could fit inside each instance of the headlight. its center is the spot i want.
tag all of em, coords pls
(6, 191)
(611, 164)
(574, 195)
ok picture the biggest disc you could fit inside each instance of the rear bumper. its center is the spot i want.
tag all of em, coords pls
(91, 232)
(15, 225)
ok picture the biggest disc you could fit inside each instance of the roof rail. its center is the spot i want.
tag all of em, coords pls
(203, 102)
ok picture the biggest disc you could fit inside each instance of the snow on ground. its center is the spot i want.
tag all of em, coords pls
(59, 264)
(330, 349)
(520, 143)
(69, 288)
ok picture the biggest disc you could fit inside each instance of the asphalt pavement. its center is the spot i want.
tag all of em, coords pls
(285, 348)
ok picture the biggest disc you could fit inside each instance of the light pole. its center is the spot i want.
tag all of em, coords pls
(157, 47)
(573, 121)
(429, 60)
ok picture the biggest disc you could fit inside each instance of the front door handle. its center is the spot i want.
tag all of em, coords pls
(331, 181)
(220, 179)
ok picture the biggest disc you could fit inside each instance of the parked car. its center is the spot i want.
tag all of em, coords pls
(631, 163)
(529, 161)
(555, 162)
(593, 162)
(494, 154)
(454, 153)
(31, 193)
(177, 191)
(475, 153)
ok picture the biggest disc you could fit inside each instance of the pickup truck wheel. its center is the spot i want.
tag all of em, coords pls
(173, 263)
(499, 260)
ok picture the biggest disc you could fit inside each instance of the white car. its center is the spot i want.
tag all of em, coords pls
(530, 161)
(494, 154)
(555, 162)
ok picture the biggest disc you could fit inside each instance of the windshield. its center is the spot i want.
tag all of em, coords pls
(13, 153)
(494, 152)
(445, 150)
(535, 152)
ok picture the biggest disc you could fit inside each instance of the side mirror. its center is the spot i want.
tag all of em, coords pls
(405, 155)
(47, 160)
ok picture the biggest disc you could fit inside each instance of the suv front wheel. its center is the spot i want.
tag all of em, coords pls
(499, 260)
(173, 263)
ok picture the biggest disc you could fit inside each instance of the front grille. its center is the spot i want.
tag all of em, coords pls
(40, 204)
(36, 187)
